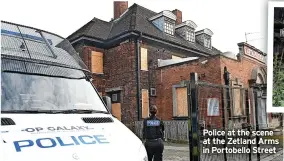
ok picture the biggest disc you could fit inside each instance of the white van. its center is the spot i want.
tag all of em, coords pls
(50, 110)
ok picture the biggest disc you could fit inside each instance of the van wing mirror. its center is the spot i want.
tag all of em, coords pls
(107, 101)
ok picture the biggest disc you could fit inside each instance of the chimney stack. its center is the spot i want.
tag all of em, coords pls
(119, 7)
(178, 14)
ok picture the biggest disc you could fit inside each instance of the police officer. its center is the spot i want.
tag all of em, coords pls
(153, 134)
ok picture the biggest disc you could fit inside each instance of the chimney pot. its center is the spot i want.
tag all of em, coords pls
(119, 7)
(178, 14)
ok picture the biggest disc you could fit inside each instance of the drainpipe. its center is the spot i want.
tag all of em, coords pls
(149, 81)
(138, 95)
(226, 76)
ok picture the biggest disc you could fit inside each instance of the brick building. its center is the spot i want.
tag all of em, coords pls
(138, 56)
(249, 64)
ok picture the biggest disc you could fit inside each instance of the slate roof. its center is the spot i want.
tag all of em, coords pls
(95, 28)
(134, 19)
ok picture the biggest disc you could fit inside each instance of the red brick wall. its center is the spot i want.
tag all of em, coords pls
(99, 79)
(154, 53)
(240, 69)
(174, 74)
(213, 71)
(120, 72)
(119, 7)
(243, 71)
(178, 14)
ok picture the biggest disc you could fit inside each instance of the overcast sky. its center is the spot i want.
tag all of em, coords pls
(228, 19)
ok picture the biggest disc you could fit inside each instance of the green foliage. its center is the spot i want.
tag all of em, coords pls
(278, 82)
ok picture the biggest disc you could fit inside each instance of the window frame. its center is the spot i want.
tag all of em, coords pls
(208, 40)
(169, 26)
(102, 63)
(146, 91)
(176, 115)
(190, 36)
(238, 85)
(144, 67)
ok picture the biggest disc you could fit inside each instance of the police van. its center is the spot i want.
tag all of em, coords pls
(50, 110)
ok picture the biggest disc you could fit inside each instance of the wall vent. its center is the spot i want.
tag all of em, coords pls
(153, 92)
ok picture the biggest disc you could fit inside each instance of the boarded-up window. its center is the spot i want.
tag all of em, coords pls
(181, 94)
(116, 110)
(238, 108)
(144, 59)
(97, 62)
(176, 57)
(238, 99)
(145, 103)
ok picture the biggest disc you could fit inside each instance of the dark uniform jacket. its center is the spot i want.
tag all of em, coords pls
(153, 128)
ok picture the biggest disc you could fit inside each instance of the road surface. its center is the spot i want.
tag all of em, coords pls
(176, 152)
(180, 152)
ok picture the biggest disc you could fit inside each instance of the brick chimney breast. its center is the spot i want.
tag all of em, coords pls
(119, 7)
(178, 14)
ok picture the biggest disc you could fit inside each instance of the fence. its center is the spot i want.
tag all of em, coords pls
(220, 108)
(216, 107)
(175, 130)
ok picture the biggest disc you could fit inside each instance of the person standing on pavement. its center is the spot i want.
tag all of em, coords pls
(153, 134)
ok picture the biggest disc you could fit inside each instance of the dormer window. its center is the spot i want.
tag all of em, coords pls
(187, 30)
(204, 37)
(207, 42)
(165, 21)
(190, 36)
(169, 26)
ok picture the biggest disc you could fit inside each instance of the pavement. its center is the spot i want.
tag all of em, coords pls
(180, 152)
(176, 152)
(276, 157)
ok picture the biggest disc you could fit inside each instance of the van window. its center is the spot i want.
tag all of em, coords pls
(42, 71)
(34, 92)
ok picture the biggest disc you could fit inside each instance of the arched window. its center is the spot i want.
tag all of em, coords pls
(259, 79)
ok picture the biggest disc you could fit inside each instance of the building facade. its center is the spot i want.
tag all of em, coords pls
(248, 65)
(124, 52)
(137, 57)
